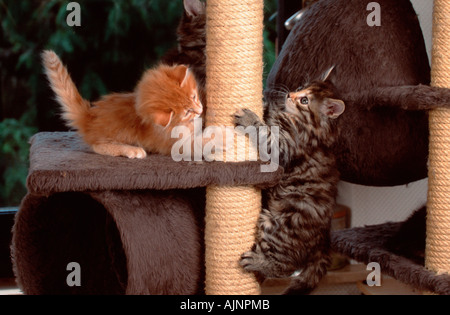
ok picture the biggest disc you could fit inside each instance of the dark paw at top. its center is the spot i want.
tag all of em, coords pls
(245, 117)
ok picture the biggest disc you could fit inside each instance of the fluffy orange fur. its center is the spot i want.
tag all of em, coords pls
(129, 124)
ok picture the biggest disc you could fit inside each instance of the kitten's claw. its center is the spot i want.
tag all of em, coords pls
(252, 261)
(245, 117)
(239, 112)
(246, 261)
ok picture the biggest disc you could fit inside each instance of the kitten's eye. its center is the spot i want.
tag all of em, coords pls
(304, 100)
(194, 97)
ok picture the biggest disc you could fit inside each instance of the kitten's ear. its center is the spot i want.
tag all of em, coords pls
(182, 74)
(194, 7)
(327, 75)
(162, 118)
(332, 108)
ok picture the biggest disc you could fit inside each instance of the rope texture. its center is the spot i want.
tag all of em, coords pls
(437, 255)
(233, 80)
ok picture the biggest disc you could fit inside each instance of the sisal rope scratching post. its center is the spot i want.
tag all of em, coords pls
(438, 208)
(233, 80)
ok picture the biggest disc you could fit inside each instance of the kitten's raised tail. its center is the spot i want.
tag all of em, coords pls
(74, 108)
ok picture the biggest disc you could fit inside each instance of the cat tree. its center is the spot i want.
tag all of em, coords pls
(234, 30)
(233, 22)
(438, 207)
(70, 187)
(233, 80)
(370, 244)
(135, 226)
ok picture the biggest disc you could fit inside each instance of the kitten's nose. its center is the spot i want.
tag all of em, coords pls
(200, 110)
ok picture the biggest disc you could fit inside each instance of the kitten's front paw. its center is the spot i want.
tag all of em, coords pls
(253, 261)
(245, 117)
(135, 153)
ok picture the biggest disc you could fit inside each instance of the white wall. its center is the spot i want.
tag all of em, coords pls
(374, 205)
(424, 9)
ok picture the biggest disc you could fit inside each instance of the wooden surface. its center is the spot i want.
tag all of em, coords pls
(351, 274)
(389, 286)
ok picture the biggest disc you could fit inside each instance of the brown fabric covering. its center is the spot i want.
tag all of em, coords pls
(61, 161)
(134, 226)
(373, 244)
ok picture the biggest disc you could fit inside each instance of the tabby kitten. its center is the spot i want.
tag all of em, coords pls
(294, 226)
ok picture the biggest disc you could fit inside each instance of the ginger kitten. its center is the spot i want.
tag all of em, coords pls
(129, 124)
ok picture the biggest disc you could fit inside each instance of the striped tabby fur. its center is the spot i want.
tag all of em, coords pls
(294, 226)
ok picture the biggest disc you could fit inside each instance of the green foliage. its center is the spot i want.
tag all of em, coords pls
(14, 135)
(269, 35)
(115, 37)
(116, 41)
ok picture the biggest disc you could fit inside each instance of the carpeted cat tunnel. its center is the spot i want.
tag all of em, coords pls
(93, 224)
(370, 244)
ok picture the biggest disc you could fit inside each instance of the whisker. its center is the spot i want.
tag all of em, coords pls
(281, 89)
